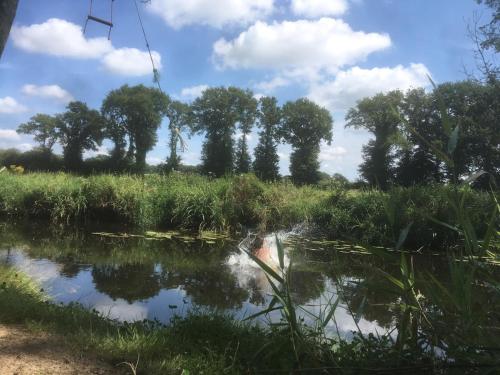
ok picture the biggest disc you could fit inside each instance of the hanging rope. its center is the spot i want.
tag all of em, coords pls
(99, 20)
(156, 74)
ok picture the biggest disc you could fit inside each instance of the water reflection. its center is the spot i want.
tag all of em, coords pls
(135, 279)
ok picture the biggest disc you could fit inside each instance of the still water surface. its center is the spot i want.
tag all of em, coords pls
(137, 278)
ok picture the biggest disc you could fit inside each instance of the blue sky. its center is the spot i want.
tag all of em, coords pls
(333, 51)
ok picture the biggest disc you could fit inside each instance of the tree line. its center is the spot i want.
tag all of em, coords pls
(130, 118)
(406, 125)
(403, 125)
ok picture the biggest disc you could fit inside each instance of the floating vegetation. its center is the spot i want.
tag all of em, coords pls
(163, 235)
(116, 235)
(205, 236)
(212, 236)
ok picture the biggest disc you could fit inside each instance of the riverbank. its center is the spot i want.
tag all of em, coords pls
(206, 343)
(232, 204)
(201, 343)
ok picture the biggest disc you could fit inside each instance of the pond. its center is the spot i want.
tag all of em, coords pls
(132, 278)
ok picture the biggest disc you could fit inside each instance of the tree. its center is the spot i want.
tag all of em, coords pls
(178, 114)
(304, 125)
(134, 112)
(248, 107)
(43, 128)
(266, 164)
(380, 115)
(416, 163)
(491, 31)
(475, 109)
(78, 129)
(8, 10)
(216, 113)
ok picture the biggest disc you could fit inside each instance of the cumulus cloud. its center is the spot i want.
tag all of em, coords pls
(101, 151)
(331, 153)
(48, 91)
(273, 84)
(343, 91)
(153, 160)
(9, 105)
(326, 43)
(180, 13)
(193, 92)
(131, 62)
(9, 138)
(59, 38)
(318, 8)
(9, 135)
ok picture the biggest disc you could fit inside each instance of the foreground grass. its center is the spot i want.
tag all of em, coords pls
(204, 343)
(231, 204)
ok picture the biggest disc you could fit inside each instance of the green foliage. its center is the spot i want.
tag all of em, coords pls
(196, 202)
(266, 164)
(33, 160)
(201, 343)
(43, 128)
(304, 126)
(423, 138)
(178, 115)
(377, 115)
(78, 129)
(491, 31)
(134, 112)
(217, 113)
(243, 160)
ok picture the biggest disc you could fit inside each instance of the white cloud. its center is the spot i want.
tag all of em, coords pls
(59, 38)
(23, 147)
(179, 13)
(9, 135)
(331, 153)
(9, 138)
(9, 105)
(193, 92)
(258, 95)
(273, 84)
(284, 156)
(326, 43)
(318, 8)
(101, 151)
(349, 86)
(239, 135)
(131, 62)
(48, 91)
(153, 160)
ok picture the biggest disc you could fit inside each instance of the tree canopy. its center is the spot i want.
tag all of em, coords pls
(78, 129)
(266, 164)
(43, 128)
(216, 114)
(134, 112)
(380, 116)
(304, 125)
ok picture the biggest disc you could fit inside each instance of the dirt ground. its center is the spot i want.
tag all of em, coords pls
(23, 352)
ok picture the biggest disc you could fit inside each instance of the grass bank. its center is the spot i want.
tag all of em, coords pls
(230, 204)
(206, 343)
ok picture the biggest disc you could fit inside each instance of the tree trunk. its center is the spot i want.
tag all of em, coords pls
(7, 13)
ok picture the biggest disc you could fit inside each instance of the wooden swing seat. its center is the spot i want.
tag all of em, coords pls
(100, 20)
(91, 17)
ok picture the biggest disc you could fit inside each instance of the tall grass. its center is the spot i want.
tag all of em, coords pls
(441, 323)
(234, 203)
